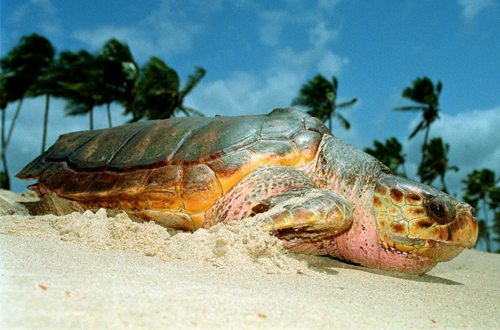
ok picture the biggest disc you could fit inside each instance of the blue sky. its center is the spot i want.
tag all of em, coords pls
(258, 53)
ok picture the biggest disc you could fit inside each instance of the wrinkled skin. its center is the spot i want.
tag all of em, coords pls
(316, 193)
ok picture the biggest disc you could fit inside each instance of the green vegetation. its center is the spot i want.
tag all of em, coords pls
(482, 191)
(435, 162)
(390, 154)
(426, 96)
(319, 96)
(21, 68)
(160, 95)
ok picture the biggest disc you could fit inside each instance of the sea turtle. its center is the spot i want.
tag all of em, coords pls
(318, 194)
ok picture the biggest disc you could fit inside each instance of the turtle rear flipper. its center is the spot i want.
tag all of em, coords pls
(51, 203)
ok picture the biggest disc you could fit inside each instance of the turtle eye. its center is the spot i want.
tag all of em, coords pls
(440, 210)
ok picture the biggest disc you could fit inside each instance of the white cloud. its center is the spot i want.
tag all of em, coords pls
(474, 140)
(44, 6)
(246, 93)
(289, 68)
(316, 56)
(95, 38)
(164, 39)
(317, 59)
(320, 36)
(471, 8)
(328, 4)
(270, 30)
(475, 137)
(331, 64)
(37, 15)
(164, 32)
(274, 22)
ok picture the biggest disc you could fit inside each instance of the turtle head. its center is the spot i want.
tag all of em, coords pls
(420, 221)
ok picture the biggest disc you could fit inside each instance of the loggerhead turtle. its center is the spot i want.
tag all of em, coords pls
(195, 172)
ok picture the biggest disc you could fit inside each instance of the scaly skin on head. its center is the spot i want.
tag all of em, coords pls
(418, 221)
(398, 224)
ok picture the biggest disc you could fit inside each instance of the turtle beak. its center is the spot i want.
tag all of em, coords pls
(465, 227)
(447, 241)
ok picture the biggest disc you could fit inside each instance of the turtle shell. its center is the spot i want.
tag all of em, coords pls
(178, 165)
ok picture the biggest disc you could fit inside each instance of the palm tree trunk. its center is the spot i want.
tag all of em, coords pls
(4, 160)
(109, 115)
(5, 183)
(424, 149)
(182, 109)
(14, 120)
(92, 118)
(487, 223)
(130, 106)
(443, 184)
(45, 121)
(134, 113)
(3, 131)
(403, 169)
(5, 142)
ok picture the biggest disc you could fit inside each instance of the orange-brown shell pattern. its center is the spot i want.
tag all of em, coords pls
(141, 169)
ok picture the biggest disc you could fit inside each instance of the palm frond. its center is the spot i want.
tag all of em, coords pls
(343, 121)
(191, 112)
(417, 129)
(410, 108)
(347, 104)
(193, 80)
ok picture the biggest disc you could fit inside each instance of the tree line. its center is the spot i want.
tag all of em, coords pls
(86, 80)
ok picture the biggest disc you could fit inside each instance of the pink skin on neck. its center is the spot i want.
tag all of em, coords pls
(360, 243)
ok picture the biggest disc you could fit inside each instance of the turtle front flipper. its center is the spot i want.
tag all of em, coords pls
(286, 201)
(305, 214)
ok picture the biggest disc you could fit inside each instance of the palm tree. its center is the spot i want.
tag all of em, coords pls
(483, 188)
(21, 67)
(120, 75)
(9, 93)
(436, 163)
(47, 86)
(496, 227)
(319, 96)
(390, 153)
(426, 95)
(80, 77)
(159, 94)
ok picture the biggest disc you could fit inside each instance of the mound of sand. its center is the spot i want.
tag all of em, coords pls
(88, 270)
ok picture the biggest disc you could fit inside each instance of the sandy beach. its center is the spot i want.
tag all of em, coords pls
(91, 271)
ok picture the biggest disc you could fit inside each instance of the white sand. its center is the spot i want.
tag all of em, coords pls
(90, 271)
